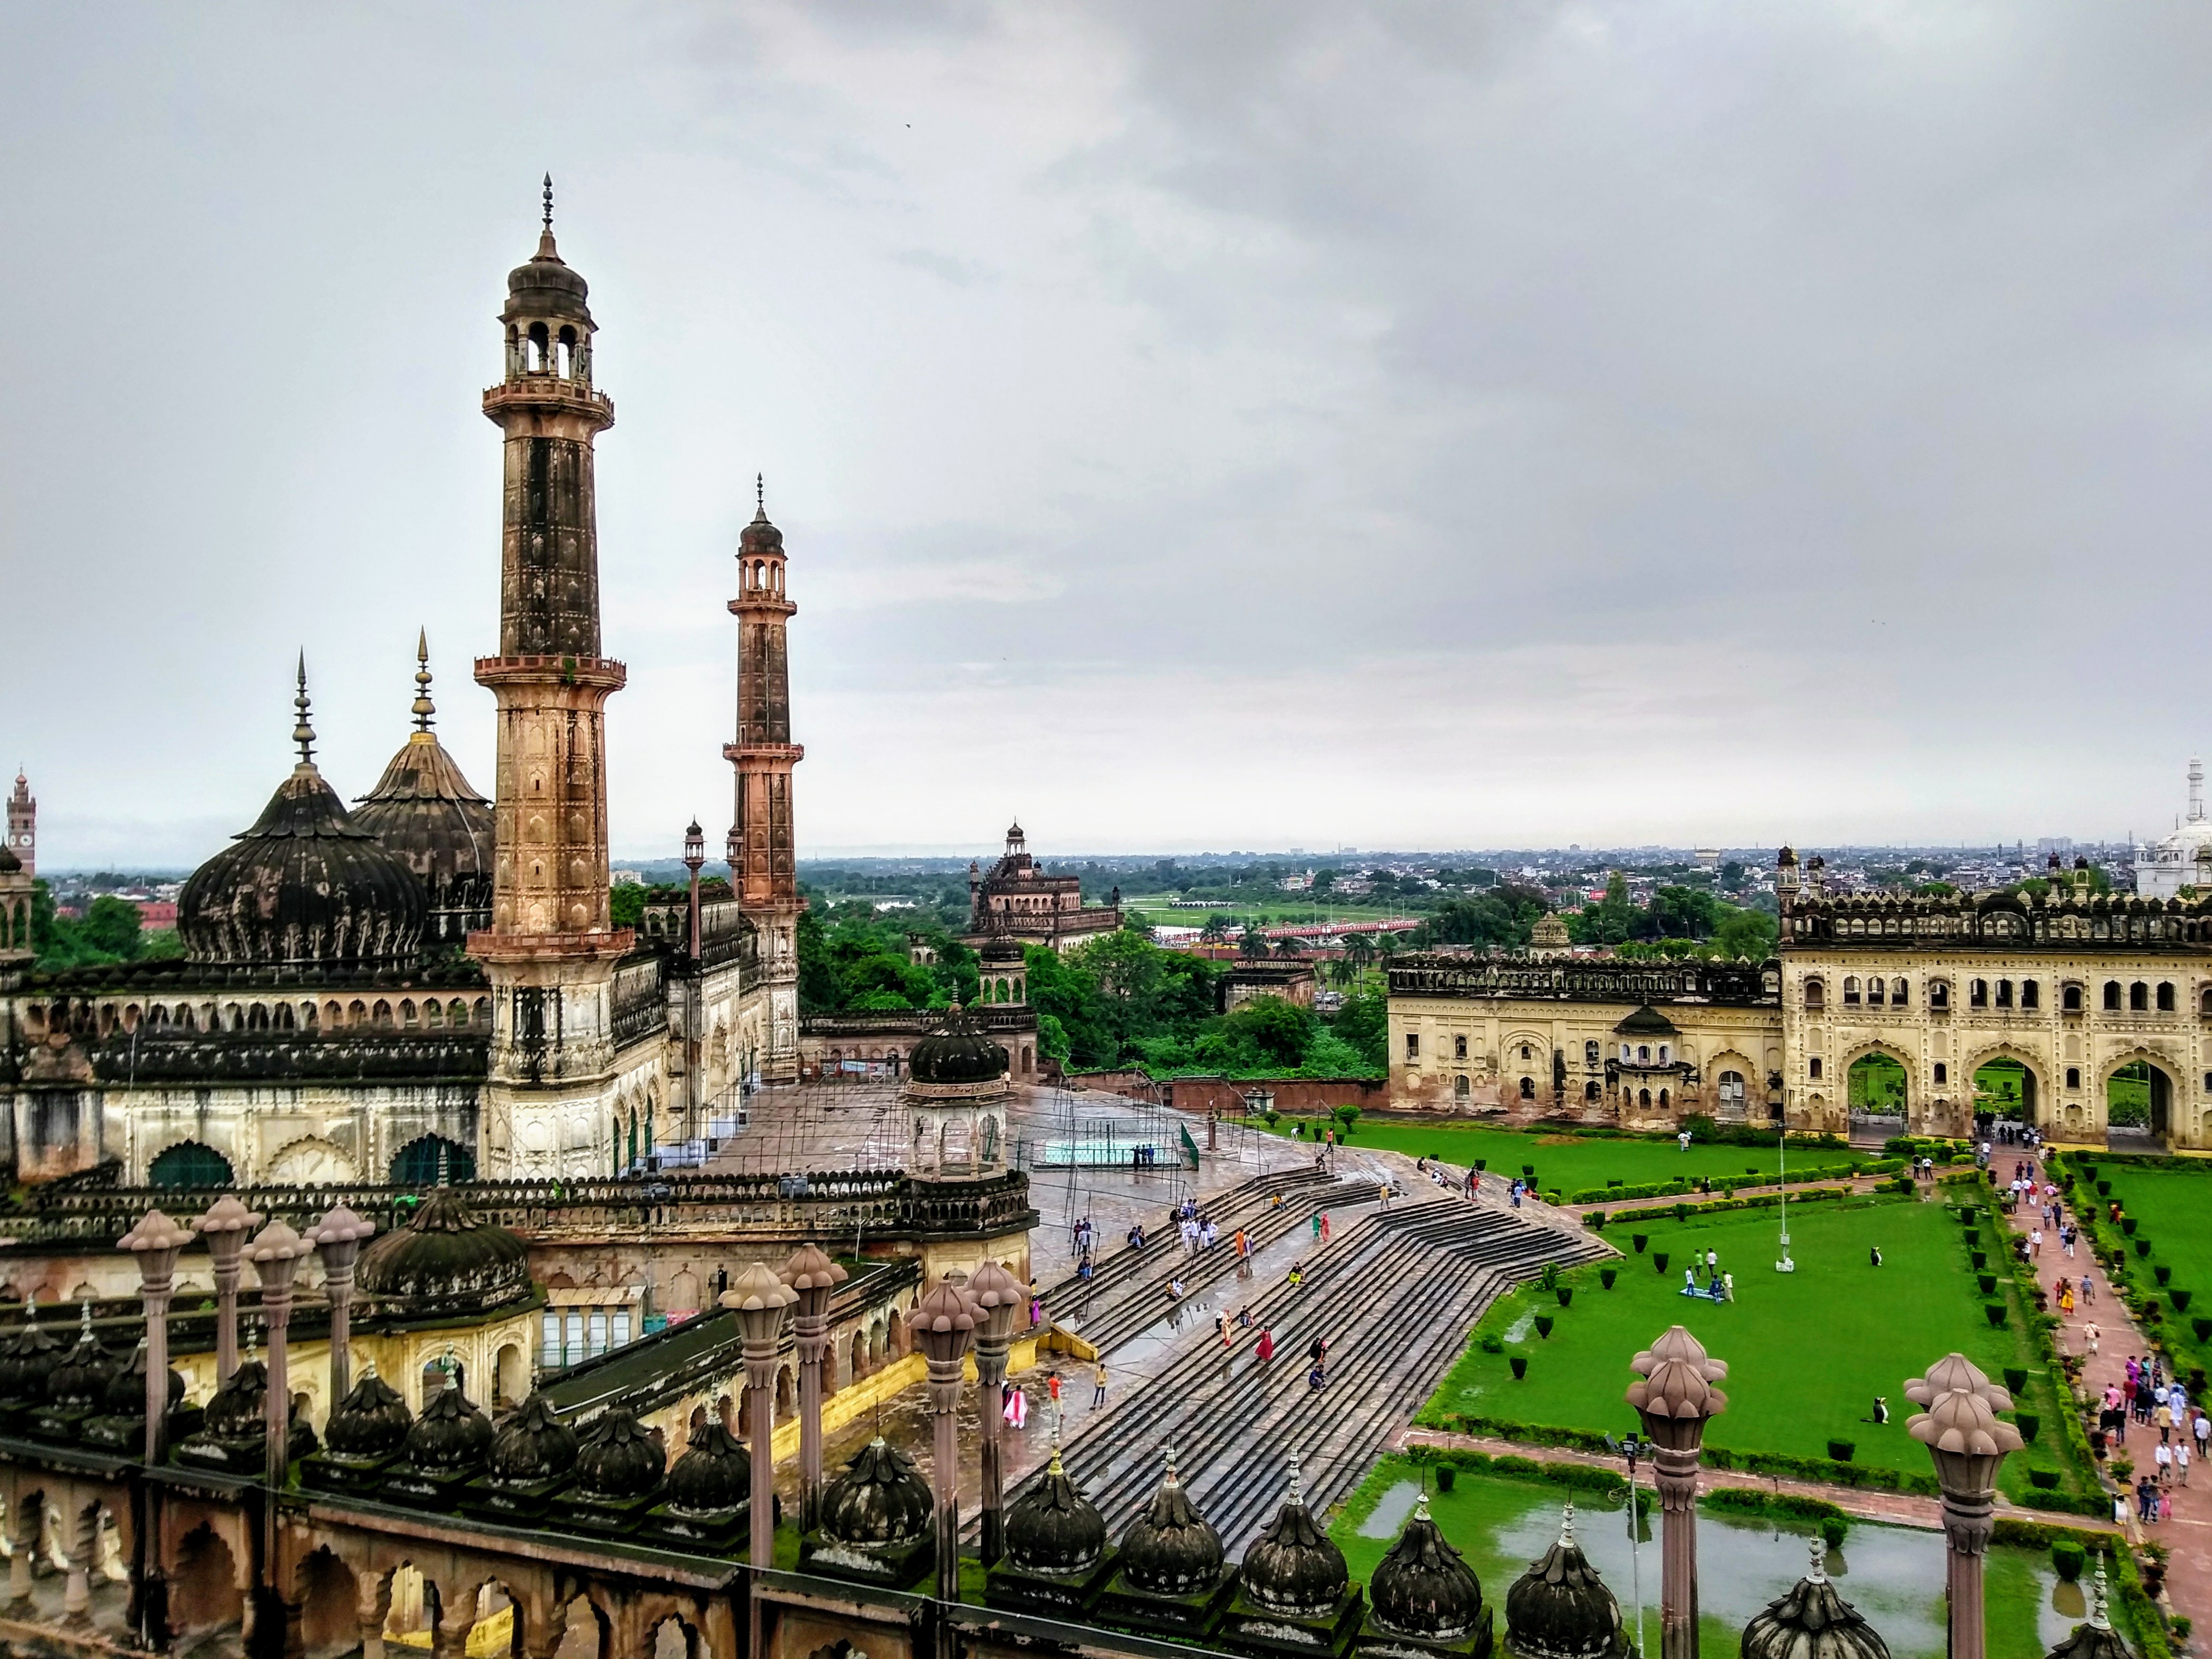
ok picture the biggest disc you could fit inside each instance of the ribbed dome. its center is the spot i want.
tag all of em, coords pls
(759, 537)
(81, 1380)
(1422, 1588)
(239, 1409)
(1561, 1609)
(532, 1444)
(126, 1389)
(544, 286)
(426, 813)
(1053, 1527)
(371, 1421)
(304, 884)
(956, 1052)
(2096, 1639)
(715, 1472)
(879, 1500)
(1170, 1549)
(445, 1258)
(1293, 1568)
(452, 1435)
(1812, 1622)
(28, 1359)
(619, 1459)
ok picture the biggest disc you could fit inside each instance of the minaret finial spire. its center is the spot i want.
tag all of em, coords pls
(303, 734)
(760, 498)
(424, 708)
(548, 202)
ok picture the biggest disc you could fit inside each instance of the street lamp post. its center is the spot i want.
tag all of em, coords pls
(944, 1323)
(761, 1301)
(814, 1278)
(1959, 1424)
(224, 1227)
(999, 1298)
(338, 1239)
(1675, 1397)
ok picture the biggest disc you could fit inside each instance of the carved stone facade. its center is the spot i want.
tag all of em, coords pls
(1017, 900)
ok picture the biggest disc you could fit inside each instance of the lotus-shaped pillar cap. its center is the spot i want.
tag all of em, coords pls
(760, 1299)
(809, 1268)
(226, 1220)
(339, 1226)
(1675, 1386)
(153, 1232)
(944, 1321)
(1956, 1372)
(1000, 1297)
(1961, 1423)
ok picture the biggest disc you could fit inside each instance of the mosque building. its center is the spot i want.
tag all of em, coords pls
(428, 984)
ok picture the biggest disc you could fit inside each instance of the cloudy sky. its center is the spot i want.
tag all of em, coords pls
(1193, 426)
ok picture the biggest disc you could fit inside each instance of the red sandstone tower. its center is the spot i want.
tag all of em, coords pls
(551, 949)
(763, 865)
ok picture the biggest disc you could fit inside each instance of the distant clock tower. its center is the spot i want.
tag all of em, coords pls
(23, 826)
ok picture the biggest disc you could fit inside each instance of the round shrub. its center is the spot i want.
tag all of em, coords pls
(1639, 1240)
(1445, 1475)
(2016, 1379)
(2067, 1558)
(1987, 1282)
(1841, 1450)
(1606, 1275)
(1681, 1212)
(1833, 1527)
(1994, 1312)
(1492, 1342)
(1566, 1295)
(1520, 1364)
(2029, 1426)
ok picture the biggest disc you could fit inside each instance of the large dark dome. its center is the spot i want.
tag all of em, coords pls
(450, 1436)
(956, 1052)
(426, 813)
(306, 885)
(1293, 1568)
(82, 1379)
(1170, 1549)
(879, 1500)
(1422, 1588)
(126, 1389)
(619, 1458)
(1053, 1527)
(1561, 1609)
(1812, 1622)
(445, 1258)
(28, 1358)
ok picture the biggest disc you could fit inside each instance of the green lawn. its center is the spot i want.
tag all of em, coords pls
(1808, 1352)
(2172, 1208)
(1894, 1575)
(1573, 1162)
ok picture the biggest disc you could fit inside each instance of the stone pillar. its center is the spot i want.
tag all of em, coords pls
(78, 1531)
(156, 1241)
(338, 1239)
(276, 1256)
(944, 1323)
(761, 1300)
(814, 1278)
(224, 1227)
(1959, 1424)
(375, 1607)
(30, 1523)
(999, 1298)
(1675, 1397)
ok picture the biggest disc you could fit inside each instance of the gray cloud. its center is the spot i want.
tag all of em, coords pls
(1224, 425)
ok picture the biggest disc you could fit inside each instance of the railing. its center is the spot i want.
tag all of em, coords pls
(822, 1203)
(166, 1055)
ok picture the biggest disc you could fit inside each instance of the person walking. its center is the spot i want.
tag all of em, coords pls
(2200, 1429)
(2163, 1416)
(1316, 1226)
(1052, 1388)
(1265, 1348)
(2162, 1455)
(2035, 1243)
(1098, 1384)
(2091, 1332)
(2181, 1462)
(1324, 1227)
(2088, 1287)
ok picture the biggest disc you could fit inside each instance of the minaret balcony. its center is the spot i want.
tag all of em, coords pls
(603, 673)
(543, 391)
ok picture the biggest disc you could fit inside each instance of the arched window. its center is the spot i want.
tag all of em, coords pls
(1663, 1053)
(2073, 1077)
(1816, 996)
(1978, 993)
(1589, 1054)
(1524, 1051)
(190, 1165)
(1459, 1088)
(457, 1014)
(2138, 998)
(2030, 995)
(1459, 1047)
(2111, 996)
(1732, 1088)
(1851, 988)
(1642, 1054)
(434, 1014)
(1662, 1100)
(1812, 1067)
(2004, 994)
(1897, 992)
(1643, 1097)
(1527, 1088)
(432, 1161)
(2204, 1002)
(1874, 989)
(1939, 995)
(2166, 996)
(2069, 998)
(1942, 1072)
(481, 1014)
(1590, 1090)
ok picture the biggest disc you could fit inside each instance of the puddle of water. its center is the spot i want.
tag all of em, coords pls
(1519, 1329)
(1391, 1511)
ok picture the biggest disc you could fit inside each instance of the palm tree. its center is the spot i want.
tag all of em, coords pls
(1253, 944)
(1342, 973)
(1360, 948)
(1287, 946)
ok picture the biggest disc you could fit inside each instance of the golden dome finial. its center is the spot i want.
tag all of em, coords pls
(424, 708)
(303, 734)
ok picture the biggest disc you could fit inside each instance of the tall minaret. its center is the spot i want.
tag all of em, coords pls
(23, 826)
(551, 948)
(764, 867)
(2196, 789)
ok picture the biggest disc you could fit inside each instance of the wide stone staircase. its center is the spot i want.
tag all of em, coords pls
(1125, 1293)
(1395, 1296)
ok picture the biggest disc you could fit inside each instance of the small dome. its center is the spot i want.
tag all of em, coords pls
(28, 1359)
(1561, 1609)
(1053, 1527)
(304, 884)
(760, 537)
(1812, 1622)
(452, 1435)
(714, 1474)
(445, 1258)
(1170, 1549)
(1292, 1568)
(879, 1500)
(619, 1458)
(80, 1380)
(1422, 1588)
(126, 1389)
(956, 1052)
(239, 1409)
(543, 287)
(371, 1421)
(423, 811)
(2095, 1639)
(532, 1444)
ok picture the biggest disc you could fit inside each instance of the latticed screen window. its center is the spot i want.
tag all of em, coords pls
(621, 1328)
(572, 1348)
(596, 1344)
(549, 1346)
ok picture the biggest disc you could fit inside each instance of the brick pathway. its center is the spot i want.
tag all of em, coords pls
(2188, 1537)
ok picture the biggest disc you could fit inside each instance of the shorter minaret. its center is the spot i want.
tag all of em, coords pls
(23, 825)
(18, 864)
